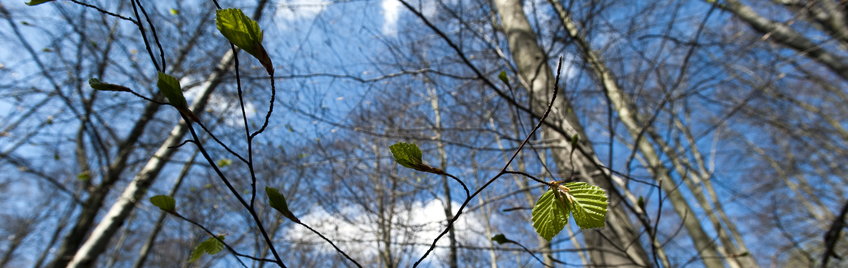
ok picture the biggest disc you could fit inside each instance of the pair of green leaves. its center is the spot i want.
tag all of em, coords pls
(275, 199)
(214, 245)
(239, 29)
(586, 202)
(409, 156)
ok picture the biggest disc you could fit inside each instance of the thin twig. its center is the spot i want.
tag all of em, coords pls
(503, 170)
(331, 243)
(236, 253)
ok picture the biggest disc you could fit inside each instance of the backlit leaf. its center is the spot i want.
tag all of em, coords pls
(407, 154)
(549, 218)
(589, 205)
(244, 33)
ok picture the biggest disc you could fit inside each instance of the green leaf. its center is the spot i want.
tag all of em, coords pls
(407, 154)
(96, 84)
(165, 203)
(174, 11)
(278, 202)
(209, 246)
(549, 215)
(501, 239)
(37, 2)
(588, 204)
(225, 162)
(504, 78)
(170, 87)
(244, 33)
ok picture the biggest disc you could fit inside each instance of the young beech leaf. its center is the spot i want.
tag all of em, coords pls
(589, 204)
(409, 156)
(549, 216)
(278, 202)
(96, 84)
(209, 246)
(244, 33)
(37, 2)
(165, 203)
(170, 87)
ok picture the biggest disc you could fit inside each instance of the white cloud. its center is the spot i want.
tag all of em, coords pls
(418, 224)
(391, 13)
(291, 11)
(392, 10)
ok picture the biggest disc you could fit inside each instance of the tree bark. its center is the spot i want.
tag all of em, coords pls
(607, 246)
(788, 37)
(114, 219)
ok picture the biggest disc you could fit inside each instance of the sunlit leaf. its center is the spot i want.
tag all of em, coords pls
(407, 154)
(244, 33)
(549, 218)
(589, 204)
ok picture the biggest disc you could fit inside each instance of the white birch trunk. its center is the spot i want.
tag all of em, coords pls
(118, 213)
(607, 246)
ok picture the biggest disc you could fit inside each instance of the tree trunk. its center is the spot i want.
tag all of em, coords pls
(443, 164)
(607, 246)
(787, 36)
(709, 252)
(114, 219)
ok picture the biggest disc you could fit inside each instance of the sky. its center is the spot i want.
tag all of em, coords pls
(297, 28)
(315, 36)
